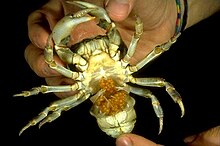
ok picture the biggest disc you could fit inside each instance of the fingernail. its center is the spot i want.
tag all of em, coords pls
(124, 141)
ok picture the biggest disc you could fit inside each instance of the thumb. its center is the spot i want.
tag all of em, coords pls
(134, 140)
(119, 10)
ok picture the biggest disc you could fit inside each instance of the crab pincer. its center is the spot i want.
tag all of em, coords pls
(98, 12)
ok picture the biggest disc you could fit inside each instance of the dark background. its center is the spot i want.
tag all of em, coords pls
(191, 65)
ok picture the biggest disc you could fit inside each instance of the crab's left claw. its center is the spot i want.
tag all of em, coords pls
(98, 12)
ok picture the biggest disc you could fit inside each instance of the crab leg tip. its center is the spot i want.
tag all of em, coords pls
(24, 93)
(161, 125)
(182, 114)
(20, 133)
(16, 95)
(22, 130)
(160, 129)
(40, 125)
(159, 132)
(19, 94)
(182, 108)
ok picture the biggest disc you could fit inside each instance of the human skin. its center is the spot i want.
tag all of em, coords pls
(159, 18)
(54, 10)
(159, 27)
(209, 137)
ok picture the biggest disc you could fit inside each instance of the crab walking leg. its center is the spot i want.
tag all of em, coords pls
(114, 40)
(60, 35)
(53, 116)
(47, 89)
(155, 102)
(56, 107)
(157, 51)
(48, 54)
(159, 82)
(98, 12)
(69, 57)
(133, 44)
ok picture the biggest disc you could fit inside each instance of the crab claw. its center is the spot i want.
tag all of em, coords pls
(98, 12)
(64, 27)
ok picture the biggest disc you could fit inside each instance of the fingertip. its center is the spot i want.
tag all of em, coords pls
(38, 29)
(35, 58)
(38, 37)
(124, 141)
(118, 10)
(190, 139)
(42, 68)
(134, 140)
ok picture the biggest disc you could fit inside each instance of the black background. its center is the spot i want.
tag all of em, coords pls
(191, 65)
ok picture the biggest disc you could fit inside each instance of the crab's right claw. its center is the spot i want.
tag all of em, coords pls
(64, 27)
(98, 12)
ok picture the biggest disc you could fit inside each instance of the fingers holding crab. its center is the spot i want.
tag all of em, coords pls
(100, 67)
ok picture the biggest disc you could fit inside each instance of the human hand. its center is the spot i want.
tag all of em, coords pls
(134, 140)
(211, 137)
(159, 18)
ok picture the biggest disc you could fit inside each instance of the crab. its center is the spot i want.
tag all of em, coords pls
(101, 69)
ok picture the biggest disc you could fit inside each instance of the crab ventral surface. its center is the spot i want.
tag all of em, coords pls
(101, 70)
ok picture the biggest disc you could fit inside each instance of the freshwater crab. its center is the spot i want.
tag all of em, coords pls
(102, 73)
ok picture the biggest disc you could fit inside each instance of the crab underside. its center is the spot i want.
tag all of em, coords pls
(101, 70)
